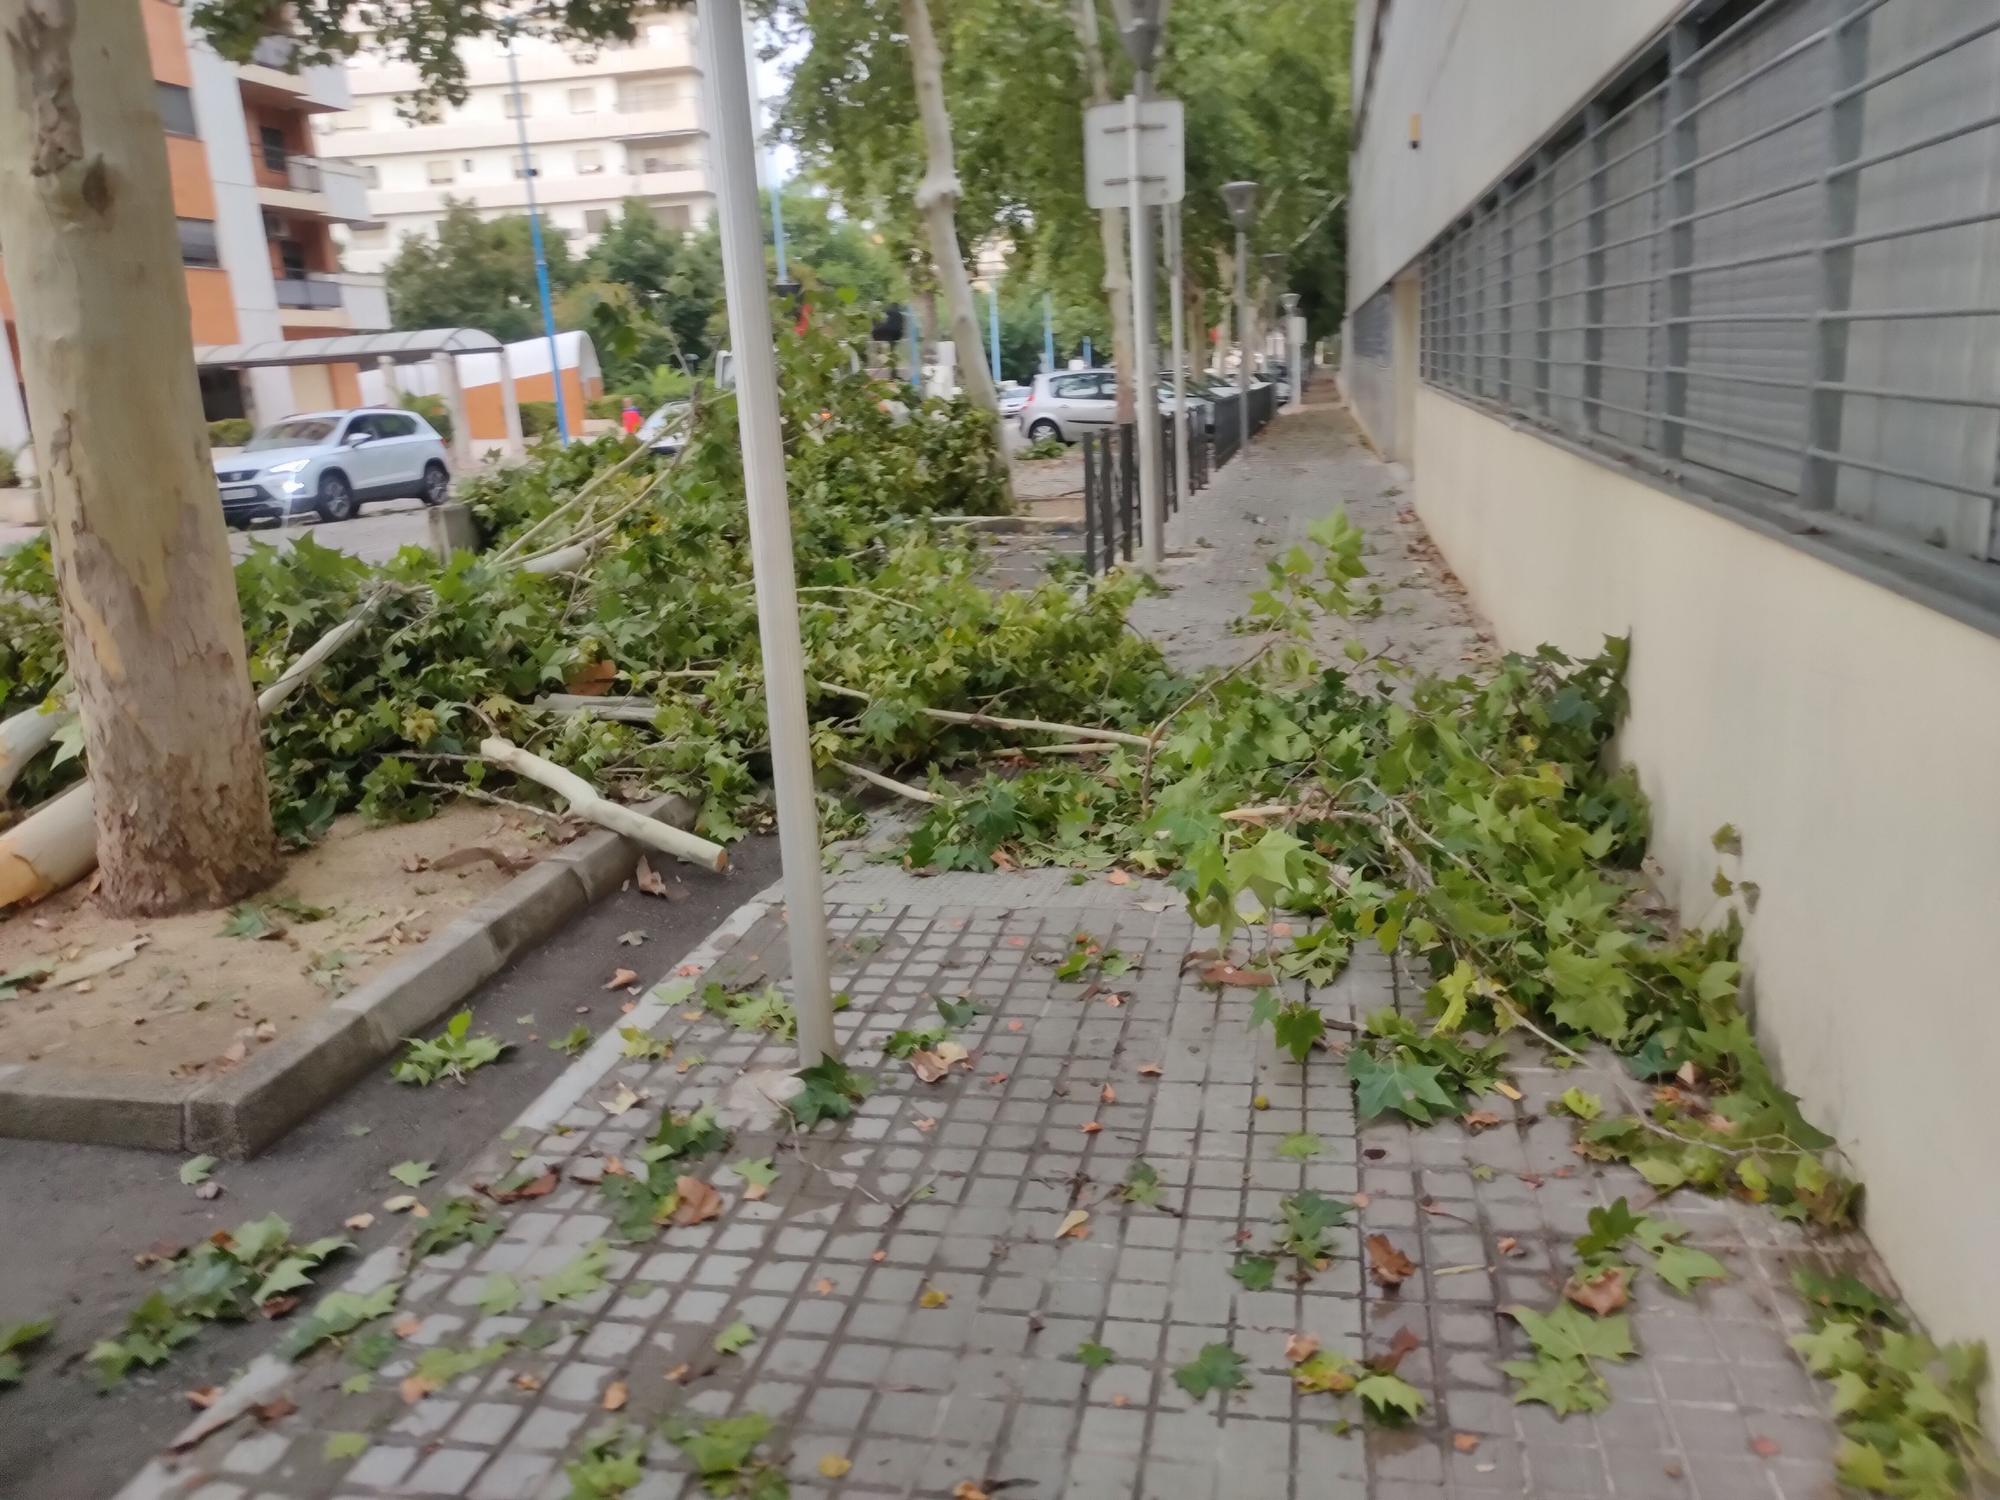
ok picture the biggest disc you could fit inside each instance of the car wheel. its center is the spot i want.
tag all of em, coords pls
(1042, 428)
(336, 497)
(437, 483)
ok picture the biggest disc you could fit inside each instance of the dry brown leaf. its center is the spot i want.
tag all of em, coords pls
(513, 864)
(1603, 1293)
(526, 1382)
(620, 979)
(926, 1124)
(1118, 877)
(1362, 1200)
(1476, 1120)
(1402, 1345)
(1108, 1094)
(414, 1388)
(996, 1079)
(202, 1397)
(698, 1201)
(534, 1187)
(592, 679)
(1228, 974)
(1151, 1069)
(1073, 1224)
(277, 1307)
(824, 1286)
(274, 1409)
(965, 1489)
(402, 1203)
(1765, 1447)
(619, 1102)
(1507, 1090)
(233, 1054)
(265, 1031)
(406, 1326)
(1465, 1442)
(1121, 1399)
(927, 1065)
(1300, 1347)
(1014, 1025)
(833, 1466)
(1090, 1127)
(1113, 999)
(878, 1256)
(951, 1052)
(677, 1374)
(614, 1396)
(1389, 1266)
(1508, 1245)
(933, 1298)
(358, 1222)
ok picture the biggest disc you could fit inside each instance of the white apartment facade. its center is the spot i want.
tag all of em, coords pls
(604, 124)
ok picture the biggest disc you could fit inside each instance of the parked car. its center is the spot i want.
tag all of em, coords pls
(1013, 396)
(333, 462)
(1065, 404)
(665, 431)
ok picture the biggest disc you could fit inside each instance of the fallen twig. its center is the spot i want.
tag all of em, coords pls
(586, 803)
(887, 783)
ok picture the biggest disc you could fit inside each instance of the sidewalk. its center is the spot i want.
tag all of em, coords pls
(914, 1311)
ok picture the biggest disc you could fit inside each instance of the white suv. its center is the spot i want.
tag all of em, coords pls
(333, 462)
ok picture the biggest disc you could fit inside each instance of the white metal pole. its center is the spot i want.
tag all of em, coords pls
(735, 157)
(1243, 329)
(1145, 395)
(1177, 296)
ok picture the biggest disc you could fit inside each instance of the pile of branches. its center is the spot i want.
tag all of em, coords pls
(608, 623)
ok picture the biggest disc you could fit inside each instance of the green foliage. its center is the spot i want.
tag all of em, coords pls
(761, 1010)
(196, 1169)
(338, 1314)
(342, 1446)
(1217, 1368)
(458, 1221)
(734, 1339)
(412, 1174)
(1908, 1409)
(452, 1055)
(903, 1042)
(1306, 1221)
(14, 1341)
(538, 419)
(475, 273)
(226, 1278)
(1605, 1243)
(1256, 1273)
(432, 409)
(644, 1200)
(831, 1091)
(1142, 1184)
(611, 1461)
(1047, 447)
(1389, 1398)
(723, 1451)
(578, 1278)
(230, 432)
(1299, 1145)
(1568, 1343)
(1094, 1356)
(574, 1042)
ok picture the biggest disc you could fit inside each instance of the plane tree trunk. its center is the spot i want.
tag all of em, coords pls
(148, 595)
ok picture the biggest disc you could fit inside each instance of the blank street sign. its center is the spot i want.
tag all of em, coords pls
(1107, 153)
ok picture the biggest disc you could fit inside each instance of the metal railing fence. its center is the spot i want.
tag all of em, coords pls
(1111, 479)
(1765, 262)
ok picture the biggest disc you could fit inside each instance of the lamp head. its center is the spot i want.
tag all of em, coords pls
(1240, 198)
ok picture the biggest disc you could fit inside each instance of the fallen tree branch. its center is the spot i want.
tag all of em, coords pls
(624, 710)
(27, 734)
(586, 803)
(1039, 726)
(597, 482)
(887, 783)
(1084, 747)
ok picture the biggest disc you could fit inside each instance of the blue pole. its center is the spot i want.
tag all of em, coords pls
(916, 351)
(778, 229)
(993, 325)
(1048, 334)
(1086, 351)
(541, 259)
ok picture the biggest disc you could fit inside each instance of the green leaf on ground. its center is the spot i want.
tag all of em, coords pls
(15, 1339)
(1094, 1356)
(1681, 1267)
(578, 1279)
(831, 1091)
(737, 1337)
(341, 1446)
(1142, 1184)
(1582, 1104)
(1563, 1385)
(195, 1170)
(574, 1042)
(1255, 1272)
(337, 1314)
(723, 1449)
(1333, 1374)
(758, 1171)
(1300, 1146)
(902, 1043)
(453, 1055)
(957, 1013)
(642, 1046)
(1608, 1229)
(1409, 1088)
(1568, 1332)
(499, 1295)
(358, 1384)
(250, 920)
(1387, 1396)
(412, 1173)
(460, 1221)
(1217, 1368)
(1298, 1027)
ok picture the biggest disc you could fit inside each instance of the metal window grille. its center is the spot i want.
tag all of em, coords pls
(1767, 262)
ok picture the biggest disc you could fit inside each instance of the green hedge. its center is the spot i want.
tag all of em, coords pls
(230, 432)
(538, 418)
(433, 410)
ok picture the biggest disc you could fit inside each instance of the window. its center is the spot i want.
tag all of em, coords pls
(583, 101)
(371, 174)
(589, 163)
(439, 172)
(660, 34)
(1079, 388)
(516, 105)
(647, 94)
(524, 166)
(391, 425)
(596, 220)
(198, 246)
(176, 109)
(368, 237)
(674, 216)
(272, 142)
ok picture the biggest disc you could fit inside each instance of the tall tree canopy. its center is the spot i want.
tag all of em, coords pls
(476, 273)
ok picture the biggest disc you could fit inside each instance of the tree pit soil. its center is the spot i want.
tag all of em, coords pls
(194, 1000)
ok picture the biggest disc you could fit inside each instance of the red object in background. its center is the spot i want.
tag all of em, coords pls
(630, 419)
(805, 318)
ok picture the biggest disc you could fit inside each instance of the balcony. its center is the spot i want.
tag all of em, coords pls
(273, 77)
(309, 290)
(311, 186)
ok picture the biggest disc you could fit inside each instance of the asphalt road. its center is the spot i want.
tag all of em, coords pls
(73, 1217)
(382, 529)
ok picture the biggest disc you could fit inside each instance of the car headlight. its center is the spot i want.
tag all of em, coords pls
(289, 466)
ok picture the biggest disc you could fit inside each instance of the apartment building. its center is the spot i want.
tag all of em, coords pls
(1684, 317)
(603, 124)
(256, 205)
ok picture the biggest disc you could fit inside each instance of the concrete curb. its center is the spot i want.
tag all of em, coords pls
(240, 1113)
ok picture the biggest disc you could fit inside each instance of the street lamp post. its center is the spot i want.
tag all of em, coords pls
(1141, 35)
(1177, 299)
(1241, 200)
(1048, 334)
(535, 238)
(1294, 351)
(734, 144)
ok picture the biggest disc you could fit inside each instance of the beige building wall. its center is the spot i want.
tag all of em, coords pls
(1853, 737)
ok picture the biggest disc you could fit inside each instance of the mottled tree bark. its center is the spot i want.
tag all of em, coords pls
(150, 621)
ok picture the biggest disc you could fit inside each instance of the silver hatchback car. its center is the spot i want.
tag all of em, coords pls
(331, 462)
